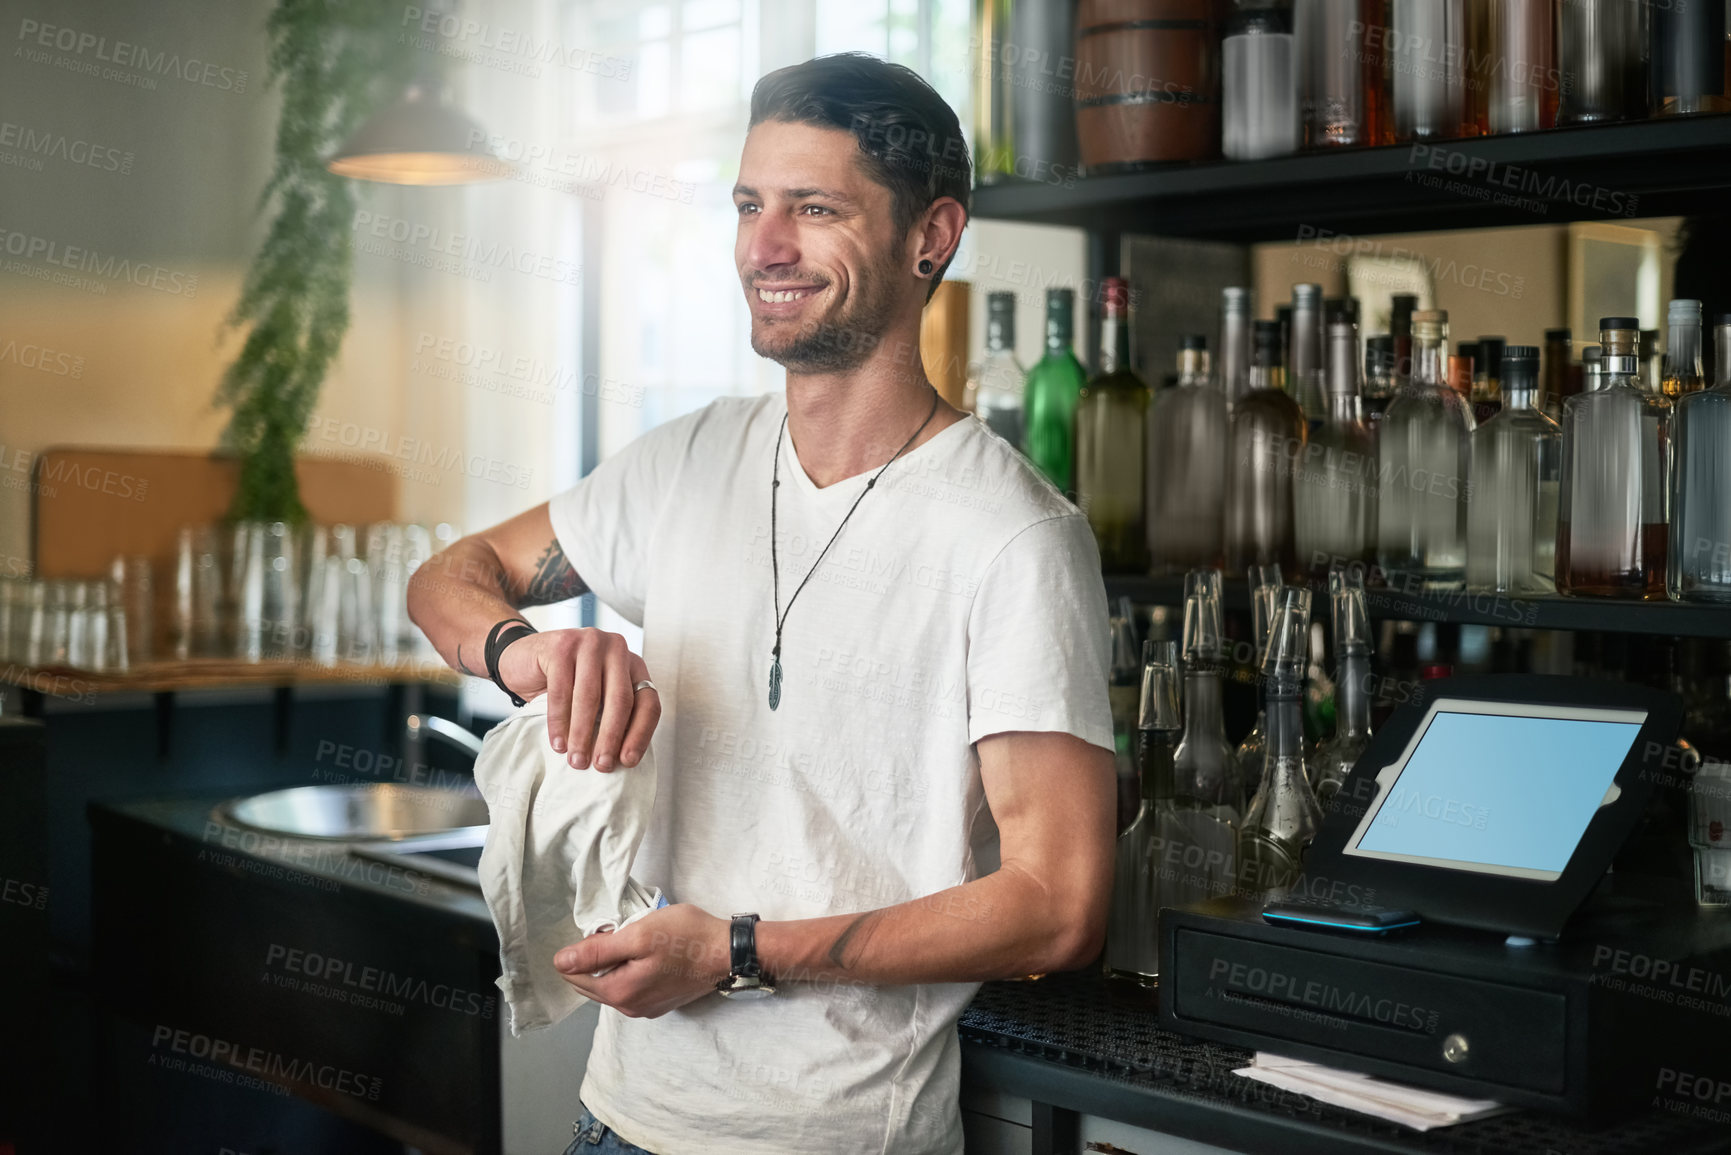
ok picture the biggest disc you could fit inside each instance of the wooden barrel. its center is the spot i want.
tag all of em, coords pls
(1147, 81)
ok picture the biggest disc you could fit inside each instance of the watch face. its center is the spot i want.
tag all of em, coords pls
(749, 992)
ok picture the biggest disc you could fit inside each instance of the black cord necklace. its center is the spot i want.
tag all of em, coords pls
(774, 565)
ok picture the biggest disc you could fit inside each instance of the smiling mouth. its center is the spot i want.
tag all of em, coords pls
(780, 296)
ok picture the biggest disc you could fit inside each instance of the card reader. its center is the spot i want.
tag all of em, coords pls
(1306, 916)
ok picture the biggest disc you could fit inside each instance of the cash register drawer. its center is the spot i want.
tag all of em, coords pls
(1513, 1035)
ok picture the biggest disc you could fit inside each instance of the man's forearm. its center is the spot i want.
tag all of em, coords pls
(1004, 925)
(456, 597)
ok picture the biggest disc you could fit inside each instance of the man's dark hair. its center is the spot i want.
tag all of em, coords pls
(909, 139)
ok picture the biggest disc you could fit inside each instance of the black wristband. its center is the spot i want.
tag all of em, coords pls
(502, 635)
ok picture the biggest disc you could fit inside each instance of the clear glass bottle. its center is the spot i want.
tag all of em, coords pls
(1427, 49)
(1236, 308)
(1521, 73)
(1602, 57)
(1203, 765)
(1268, 434)
(1138, 890)
(1592, 369)
(1652, 356)
(1512, 507)
(1688, 66)
(1683, 372)
(1112, 442)
(1611, 513)
(1122, 694)
(1700, 553)
(1259, 107)
(1265, 583)
(1335, 488)
(1341, 75)
(1049, 402)
(1353, 682)
(1424, 449)
(1187, 435)
(1305, 354)
(1283, 818)
(996, 383)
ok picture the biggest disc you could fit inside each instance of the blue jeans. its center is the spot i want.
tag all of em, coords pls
(593, 1137)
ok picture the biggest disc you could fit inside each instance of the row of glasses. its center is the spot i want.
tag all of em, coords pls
(64, 622)
(328, 594)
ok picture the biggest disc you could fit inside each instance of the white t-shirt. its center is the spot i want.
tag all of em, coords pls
(962, 599)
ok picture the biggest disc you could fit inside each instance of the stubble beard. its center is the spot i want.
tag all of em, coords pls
(832, 345)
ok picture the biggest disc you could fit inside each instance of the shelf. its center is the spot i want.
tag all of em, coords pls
(219, 673)
(1652, 168)
(1667, 619)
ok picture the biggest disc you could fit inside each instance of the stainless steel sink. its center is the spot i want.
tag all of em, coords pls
(350, 813)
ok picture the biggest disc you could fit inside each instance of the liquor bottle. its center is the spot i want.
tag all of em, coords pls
(1122, 690)
(1283, 818)
(1268, 434)
(1339, 77)
(1562, 373)
(1353, 682)
(1188, 430)
(1592, 368)
(1334, 491)
(1652, 354)
(1523, 79)
(1401, 308)
(1132, 944)
(1688, 67)
(1049, 402)
(1112, 442)
(1305, 354)
(1700, 557)
(1512, 515)
(1425, 449)
(1487, 378)
(1427, 56)
(995, 386)
(1265, 583)
(1461, 365)
(1203, 765)
(1379, 380)
(1259, 105)
(1611, 523)
(1683, 373)
(1602, 54)
(1235, 315)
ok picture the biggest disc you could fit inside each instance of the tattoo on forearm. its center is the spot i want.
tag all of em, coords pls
(850, 944)
(463, 667)
(554, 581)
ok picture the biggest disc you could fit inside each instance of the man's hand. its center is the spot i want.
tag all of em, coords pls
(592, 711)
(662, 961)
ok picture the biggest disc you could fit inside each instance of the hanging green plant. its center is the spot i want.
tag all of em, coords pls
(336, 62)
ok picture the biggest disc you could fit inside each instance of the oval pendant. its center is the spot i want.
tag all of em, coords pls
(775, 684)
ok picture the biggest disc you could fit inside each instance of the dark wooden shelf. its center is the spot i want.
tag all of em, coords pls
(1669, 619)
(1665, 167)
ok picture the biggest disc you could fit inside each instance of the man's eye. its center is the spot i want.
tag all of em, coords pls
(746, 207)
(814, 209)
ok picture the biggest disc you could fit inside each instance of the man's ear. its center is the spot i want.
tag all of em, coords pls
(939, 232)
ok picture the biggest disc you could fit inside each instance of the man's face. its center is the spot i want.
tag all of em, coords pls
(817, 249)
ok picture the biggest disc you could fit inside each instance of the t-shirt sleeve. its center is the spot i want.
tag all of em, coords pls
(1039, 640)
(605, 522)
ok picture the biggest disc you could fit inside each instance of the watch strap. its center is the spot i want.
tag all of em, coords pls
(500, 636)
(742, 941)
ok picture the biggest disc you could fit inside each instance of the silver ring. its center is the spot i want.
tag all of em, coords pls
(645, 684)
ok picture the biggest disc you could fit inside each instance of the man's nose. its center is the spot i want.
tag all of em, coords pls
(774, 243)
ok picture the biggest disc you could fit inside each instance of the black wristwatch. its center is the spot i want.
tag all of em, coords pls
(745, 979)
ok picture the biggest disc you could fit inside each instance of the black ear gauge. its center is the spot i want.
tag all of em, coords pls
(925, 268)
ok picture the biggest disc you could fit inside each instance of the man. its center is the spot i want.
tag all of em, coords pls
(878, 638)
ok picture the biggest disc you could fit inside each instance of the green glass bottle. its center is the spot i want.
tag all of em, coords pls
(1049, 402)
(1112, 443)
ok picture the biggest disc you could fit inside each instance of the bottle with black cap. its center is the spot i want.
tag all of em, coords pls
(1611, 511)
(1700, 557)
(1487, 378)
(1187, 435)
(1512, 516)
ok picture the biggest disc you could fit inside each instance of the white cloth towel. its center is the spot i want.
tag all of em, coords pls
(557, 863)
(1409, 1106)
